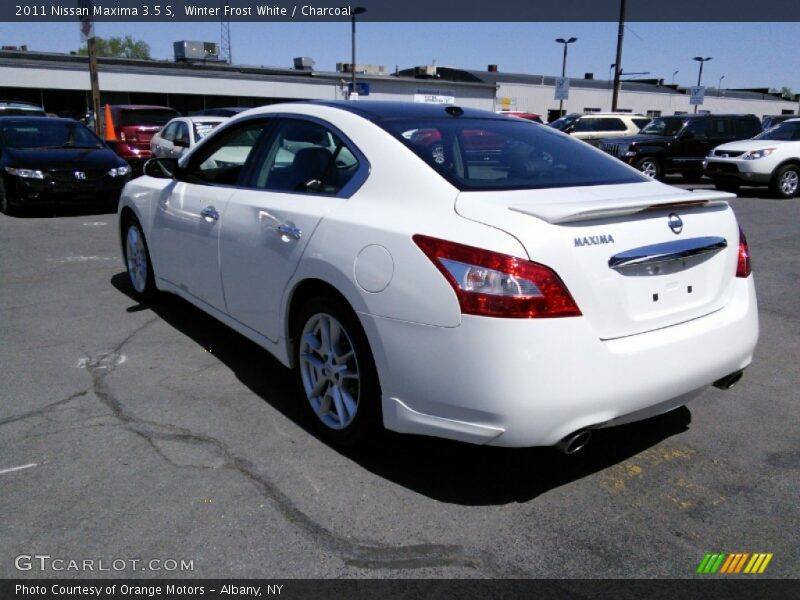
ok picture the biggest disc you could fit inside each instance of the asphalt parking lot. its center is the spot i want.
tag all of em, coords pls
(156, 433)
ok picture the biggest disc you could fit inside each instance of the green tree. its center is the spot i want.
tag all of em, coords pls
(117, 47)
(787, 93)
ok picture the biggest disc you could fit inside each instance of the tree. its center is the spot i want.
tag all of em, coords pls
(787, 93)
(116, 47)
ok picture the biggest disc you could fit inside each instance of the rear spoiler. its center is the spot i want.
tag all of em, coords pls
(571, 212)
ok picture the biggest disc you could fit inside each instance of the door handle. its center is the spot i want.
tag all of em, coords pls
(289, 231)
(209, 213)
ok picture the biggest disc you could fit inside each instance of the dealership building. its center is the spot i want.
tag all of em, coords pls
(60, 83)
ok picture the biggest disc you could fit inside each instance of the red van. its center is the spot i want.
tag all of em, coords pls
(131, 127)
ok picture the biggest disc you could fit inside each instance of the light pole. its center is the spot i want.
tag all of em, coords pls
(675, 72)
(358, 10)
(719, 85)
(564, 67)
(701, 60)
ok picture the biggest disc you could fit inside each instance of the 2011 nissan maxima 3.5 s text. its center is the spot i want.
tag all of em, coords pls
(447, 271)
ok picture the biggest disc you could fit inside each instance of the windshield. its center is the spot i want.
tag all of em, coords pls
(659, 126)
(503, 154)
(203, 128)
(788, 131)
(57, 134)
(563, 122)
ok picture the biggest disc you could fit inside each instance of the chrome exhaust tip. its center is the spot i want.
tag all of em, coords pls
(575, 442)
(729, 381)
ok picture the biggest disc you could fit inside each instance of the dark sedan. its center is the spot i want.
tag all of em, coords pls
(45, 160)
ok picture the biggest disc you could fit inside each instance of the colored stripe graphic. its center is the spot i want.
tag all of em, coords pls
(730, 564)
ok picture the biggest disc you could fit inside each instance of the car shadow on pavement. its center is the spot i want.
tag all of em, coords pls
(444, 470)
(59, 210)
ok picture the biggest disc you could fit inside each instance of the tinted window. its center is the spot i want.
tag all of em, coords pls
(305, 157)
(747, 128)
(642, 122)
(146, 117)
(663, 126)
(520, 155)
(789, 132)
(169, 131)
(609, 124)
(585, 125)
(563, 122)
(721, 128)
(697, 126)
(182, 132)
(58, 134)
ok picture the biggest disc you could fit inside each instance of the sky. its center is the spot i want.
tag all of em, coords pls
(748, 55)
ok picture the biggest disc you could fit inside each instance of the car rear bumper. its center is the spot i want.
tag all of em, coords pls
(512, 382)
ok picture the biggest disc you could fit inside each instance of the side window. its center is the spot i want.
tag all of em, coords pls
(610, 124)
(584, 125)
(169, 132)
(182, 132)
(305, 157)
(642, 122)
(722, 128)
(747, 128)
(697, 127)
(222, 160)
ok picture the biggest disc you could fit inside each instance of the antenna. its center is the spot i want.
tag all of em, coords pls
(225, 34)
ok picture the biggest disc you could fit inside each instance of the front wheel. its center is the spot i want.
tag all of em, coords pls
(137, 261)
(786, 181)
(650, 167)
(336, 374)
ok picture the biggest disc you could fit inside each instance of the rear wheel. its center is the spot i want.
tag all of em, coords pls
(137, 261)
(786, 181)
(651, 167)
(336, 374)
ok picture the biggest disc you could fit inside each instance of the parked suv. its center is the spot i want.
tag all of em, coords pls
(772, 120)
(593, 127)
(771, 158)
(679, 144)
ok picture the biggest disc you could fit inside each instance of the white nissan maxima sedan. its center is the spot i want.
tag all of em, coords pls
(446, 271)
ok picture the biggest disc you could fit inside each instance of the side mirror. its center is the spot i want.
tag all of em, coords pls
(180, 142)
(161, 168)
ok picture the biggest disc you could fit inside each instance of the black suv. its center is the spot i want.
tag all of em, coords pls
(678, 144)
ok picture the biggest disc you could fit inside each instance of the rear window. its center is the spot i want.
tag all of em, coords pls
(146, 117)
(489, 154)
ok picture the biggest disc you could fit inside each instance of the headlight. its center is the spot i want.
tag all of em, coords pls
(25, 173)
(120, 171)
(756, 154)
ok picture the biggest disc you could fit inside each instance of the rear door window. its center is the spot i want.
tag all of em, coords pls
(610, 124)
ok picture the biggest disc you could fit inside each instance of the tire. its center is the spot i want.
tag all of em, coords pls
(785, 182)
(650, 167)
(335, 374)
(137, 261)
(5, 204)
(727, 187)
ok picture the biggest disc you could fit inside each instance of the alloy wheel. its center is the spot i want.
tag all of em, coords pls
(329, 371)
(136, 258)
(789, 183)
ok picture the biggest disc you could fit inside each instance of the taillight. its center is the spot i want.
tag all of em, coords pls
(122, 136)
(743, 268)
(498, 285)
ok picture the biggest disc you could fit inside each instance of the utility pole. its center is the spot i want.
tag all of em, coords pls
(225, 34)
(359, 10)
(87, 33)
(618, 64)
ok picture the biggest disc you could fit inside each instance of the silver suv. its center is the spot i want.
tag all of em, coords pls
(593, 127)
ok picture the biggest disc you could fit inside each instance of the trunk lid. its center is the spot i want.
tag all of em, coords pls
(636, 257)
(138, 136)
